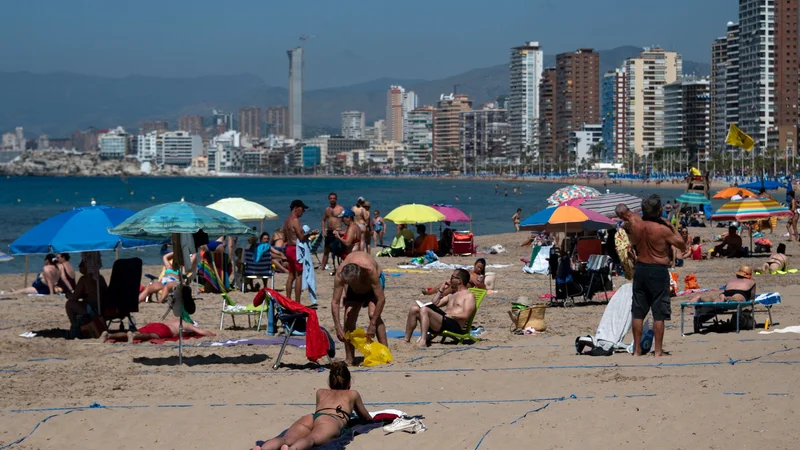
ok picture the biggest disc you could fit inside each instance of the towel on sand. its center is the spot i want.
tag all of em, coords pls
(317, 343)
(792, 329)
(353, 429)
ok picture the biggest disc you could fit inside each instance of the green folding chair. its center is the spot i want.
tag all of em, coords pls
(460, 338)
(233, 309)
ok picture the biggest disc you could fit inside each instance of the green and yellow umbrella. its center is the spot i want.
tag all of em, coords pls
(413, 213)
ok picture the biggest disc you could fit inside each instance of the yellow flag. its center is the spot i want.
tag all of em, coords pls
(739, 138)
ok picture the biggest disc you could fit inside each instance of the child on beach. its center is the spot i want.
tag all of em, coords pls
(334, 408)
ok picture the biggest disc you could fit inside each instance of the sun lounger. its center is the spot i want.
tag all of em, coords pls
(467, 336)
(735, 308)
(233, 309)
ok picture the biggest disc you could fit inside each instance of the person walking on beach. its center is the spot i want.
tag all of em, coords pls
(330, 223)
(516, 219)
(362, 277)
(653, 239)
(293, 233)
(361, 218)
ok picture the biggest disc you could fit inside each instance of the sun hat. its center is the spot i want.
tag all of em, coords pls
(346, 213)
(745, 272)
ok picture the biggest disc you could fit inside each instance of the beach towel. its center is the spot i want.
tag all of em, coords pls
(214, 270)
(316, 341)
(438, 265)
(261, 250)
(350, 432)
(309, 277)
(539, 263)
(614, 325)
(293, 341)
(792, 329)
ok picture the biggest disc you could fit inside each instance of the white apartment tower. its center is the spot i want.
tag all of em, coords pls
(756, 68)
(353, 125)
(296, 93)
(523, 101)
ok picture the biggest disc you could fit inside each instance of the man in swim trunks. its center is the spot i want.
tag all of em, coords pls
(350, 238)
(653, 238)
(362, 276)
(460, 306)
(156, 330)
(293, 232)
(330, 223)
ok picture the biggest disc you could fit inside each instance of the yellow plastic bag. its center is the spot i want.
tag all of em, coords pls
(374, 352)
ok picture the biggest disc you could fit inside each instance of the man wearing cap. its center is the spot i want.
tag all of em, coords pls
(330, 223)
(351, 236)
(293, 232)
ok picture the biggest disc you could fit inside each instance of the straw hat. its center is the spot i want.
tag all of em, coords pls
(523, 301)
(745, 272)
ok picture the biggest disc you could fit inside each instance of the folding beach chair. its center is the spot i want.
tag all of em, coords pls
(599, 268)
(566, 286)
(214, 270)
(257, 270)
(467, 336)
(294, 324)
(233, 309)
(463, 243)
(122, 296)
(587, 247)
(733, 308)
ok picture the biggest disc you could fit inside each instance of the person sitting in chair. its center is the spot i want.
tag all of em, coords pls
(731, 245)
(156, 330)
(85, 295)
(741, 288)
(460, 307)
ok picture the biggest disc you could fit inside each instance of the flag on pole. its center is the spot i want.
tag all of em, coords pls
(739, 138)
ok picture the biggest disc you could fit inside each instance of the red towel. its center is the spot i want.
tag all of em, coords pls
(316, 341)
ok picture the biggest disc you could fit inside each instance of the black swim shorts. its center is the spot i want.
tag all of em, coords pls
(651, 291)
(449, 324)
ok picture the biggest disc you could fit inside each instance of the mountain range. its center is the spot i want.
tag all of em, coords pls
(58, 103)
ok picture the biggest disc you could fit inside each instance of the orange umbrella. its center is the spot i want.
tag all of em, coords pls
(727, 193)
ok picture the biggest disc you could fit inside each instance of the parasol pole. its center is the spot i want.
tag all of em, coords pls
(262, 225)
(177, 264)
(26, 270)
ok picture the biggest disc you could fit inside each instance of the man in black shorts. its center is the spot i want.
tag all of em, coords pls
(331, 222)
(460, 307)
(362, 276)
(653, 239)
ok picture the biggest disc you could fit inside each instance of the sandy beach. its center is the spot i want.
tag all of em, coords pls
(715, 390)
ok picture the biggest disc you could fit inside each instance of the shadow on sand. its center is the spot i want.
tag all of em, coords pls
(202, 360)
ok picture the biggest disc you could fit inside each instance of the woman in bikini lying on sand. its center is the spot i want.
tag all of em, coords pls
(334, 407)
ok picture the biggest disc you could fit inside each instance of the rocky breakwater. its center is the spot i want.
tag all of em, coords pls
(68, 164)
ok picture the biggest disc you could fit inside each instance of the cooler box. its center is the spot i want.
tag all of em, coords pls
(463, 243)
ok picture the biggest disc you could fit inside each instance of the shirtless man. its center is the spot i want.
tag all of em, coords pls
(293, 232)
(330, 223)
(653, 238)
(156, 330)
(361, 219)
(460, 306)
(350, 238)
(362, 276)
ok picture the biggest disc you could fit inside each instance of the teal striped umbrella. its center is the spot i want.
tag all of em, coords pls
(161, 221)
(693, 198)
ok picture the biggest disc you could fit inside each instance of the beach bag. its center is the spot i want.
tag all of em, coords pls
(532, 316)
(690, 282)
(624, 252)
(746, 320)
(374, 352)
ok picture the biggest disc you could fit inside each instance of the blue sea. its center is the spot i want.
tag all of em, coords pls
(27, 201)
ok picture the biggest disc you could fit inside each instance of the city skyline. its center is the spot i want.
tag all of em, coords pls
(338, 53)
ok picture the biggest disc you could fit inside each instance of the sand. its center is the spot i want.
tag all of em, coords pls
(714, 391)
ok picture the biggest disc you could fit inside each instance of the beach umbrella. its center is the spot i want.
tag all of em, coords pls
(750, 209)
(574, 202)
(172, 219)
(79, 230)
(570, 192)
(568, 219)
(413, 213)
(607, 203)
(693, 198)
(451, 213)
(727, 193)
(769, 185)
(244, 210)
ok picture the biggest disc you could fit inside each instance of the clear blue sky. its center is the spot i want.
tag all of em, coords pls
(356, 40)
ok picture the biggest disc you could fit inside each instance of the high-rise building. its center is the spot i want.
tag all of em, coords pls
(756, 68)
(113, 144)
(687, 116)
(154, 125)
(787, 66)
(732, 76)
(614, 109)
(377, 132)
(646, 76)
(547, 116)
(583, 141)
(44, 142)
(719, 99)
(223, 121)
(523, 101)
(296, 93)
(193, 125)
(410, 103)
(250, 122)
(398, 104)
(577, 93)
(419, 151)
(445, 129)
(484, 136)
(277, 120)
(353, 125)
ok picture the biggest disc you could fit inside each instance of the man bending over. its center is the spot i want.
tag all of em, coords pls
(460, 306)
(362, 276)
(156, 330)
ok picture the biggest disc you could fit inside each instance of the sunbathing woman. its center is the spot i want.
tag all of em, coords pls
(777, 262)
(742, 288)
(66, 272)
(334, 407)
(164, 285)
(46, 281)
(477, 276)
(156, 330)
(278, 250)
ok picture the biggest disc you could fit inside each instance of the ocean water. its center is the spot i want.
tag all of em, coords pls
(27, 201)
